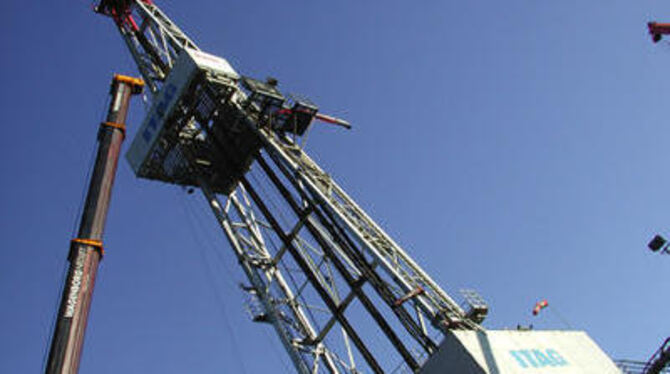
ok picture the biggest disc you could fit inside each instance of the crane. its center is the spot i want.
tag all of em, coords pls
(86, 250)
(307, 249)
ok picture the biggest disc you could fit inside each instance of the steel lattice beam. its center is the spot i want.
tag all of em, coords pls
(317, 265)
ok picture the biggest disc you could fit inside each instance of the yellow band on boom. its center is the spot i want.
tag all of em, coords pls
(119, 126)
(92, 242)
(130, 80)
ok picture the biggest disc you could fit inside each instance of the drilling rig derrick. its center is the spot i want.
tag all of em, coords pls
(236, 138)
(333, 285)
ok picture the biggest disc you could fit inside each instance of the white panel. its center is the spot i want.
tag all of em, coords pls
(520, 352)
(180, 77)
(164, 103)
(213, 63)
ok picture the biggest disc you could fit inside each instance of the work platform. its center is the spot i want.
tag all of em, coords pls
(202, 119)
(196, 121)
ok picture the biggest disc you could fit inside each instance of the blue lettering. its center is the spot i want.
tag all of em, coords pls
(538, 358)
(526, 354)
(146, 135)
(169, 91)
(160, 108)
(153, 123)
(542, 360)
(168, 94)
(519, 359)
(556, 358)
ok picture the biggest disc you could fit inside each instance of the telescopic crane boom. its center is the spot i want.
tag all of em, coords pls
(86, 249)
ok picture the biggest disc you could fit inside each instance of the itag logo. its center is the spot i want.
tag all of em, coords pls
(537, 358)
(157, 116)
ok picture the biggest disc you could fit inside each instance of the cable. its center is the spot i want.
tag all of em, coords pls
(276, 352)
(213, 285)
(209, 243)
(560, 317)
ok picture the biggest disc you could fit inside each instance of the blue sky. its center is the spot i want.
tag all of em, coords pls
(518, 148)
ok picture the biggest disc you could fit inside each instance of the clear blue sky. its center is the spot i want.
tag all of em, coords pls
(516, 147)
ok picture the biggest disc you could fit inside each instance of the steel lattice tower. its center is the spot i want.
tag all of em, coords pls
(326, 277)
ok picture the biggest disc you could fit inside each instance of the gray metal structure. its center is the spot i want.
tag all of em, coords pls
(327, 278)
(638, 367)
